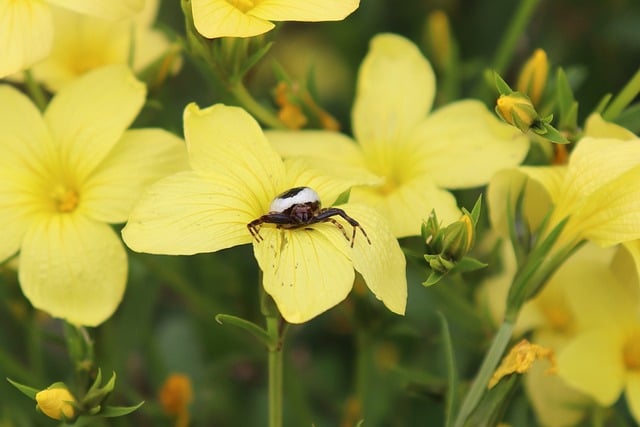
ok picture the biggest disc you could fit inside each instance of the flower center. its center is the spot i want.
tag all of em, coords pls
(243, 5)
(65, 199)
(631, 351)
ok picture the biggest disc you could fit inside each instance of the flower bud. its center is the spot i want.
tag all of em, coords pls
(176, 394)
(56, 402)
(533, 76)
(439, 35)
(458, 238)
(517, 110)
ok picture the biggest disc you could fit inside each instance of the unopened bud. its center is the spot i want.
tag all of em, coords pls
(439, 35)
(517, 110)
(458, 238)
(533, 76)
(56, 402)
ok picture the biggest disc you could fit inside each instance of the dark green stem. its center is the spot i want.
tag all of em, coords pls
(257, 110)
(626, 96)
(35, 90)
(275, 374)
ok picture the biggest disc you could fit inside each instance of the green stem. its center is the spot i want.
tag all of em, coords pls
(626, 96)
(35, 91)
(489, 364)
(257, 110)
(275, 373)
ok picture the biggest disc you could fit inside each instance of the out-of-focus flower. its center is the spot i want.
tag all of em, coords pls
(440, 39)
(533, 76)
(410, 157)
(67, 174)
(56, 401)
(175, 397)
(247, 18)
(26, 29)
(235, 177)
(84, 42)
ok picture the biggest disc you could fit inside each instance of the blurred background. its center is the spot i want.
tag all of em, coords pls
(165, 324)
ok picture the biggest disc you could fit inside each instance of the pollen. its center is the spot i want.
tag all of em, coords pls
(631, 351)
(65, 199)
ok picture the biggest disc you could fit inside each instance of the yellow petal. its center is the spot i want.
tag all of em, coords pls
(632, 394)
(219, 18)
(464, 144)
(140, 158)
(551, 178)
(381, 263)
(306, 271)
(308, 11)
(23, 151)
(26, 34)
(596, 127)
(106, 9)
(73, 268)
(592, 363)
(332, 152)
(227, 140)
(405, 207)
(395, 90)
(612, 214)
(188, 213)
(88, 117)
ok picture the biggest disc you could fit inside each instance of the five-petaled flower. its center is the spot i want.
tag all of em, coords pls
(235, 176)
(26, 29)
(410, 157)
(67, 174)
(247, 18)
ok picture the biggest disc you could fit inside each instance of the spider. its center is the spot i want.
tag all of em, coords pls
(300, 207)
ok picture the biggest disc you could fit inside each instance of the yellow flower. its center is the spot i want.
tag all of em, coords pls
(235, 176)
(26, 30)
(56, 402)
(247, 18)
(65, 176)
(603, 359)
(410, 157)
(83, 42)
(520, 359)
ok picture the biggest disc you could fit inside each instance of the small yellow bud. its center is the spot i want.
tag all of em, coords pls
(439, 35)
(176, 394)
(290, 113)
(56, 402)
(533, 76)
(517, 110)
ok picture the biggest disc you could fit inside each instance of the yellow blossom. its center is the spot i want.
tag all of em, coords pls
(247, 18)
(65, 175)
(56, 402)
(411, 157)
(84, 42)
(26, 29)
(235, 177)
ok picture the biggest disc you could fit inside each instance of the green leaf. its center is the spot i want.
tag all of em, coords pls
(603, 103)
(253, 60)
(30, 392)
(342, 198)
(255, 330)
(452, 402)
(467, 264)
(630, 118)
(118, 411)
(475, 212)
(553, 135)
(494, 403)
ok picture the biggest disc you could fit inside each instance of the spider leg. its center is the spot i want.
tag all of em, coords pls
(326, 214)
(341, 228)
(254, 229)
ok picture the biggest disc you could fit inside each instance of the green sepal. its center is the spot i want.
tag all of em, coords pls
(97, 393)
(343, 198)
(553, 135)
(30, 392)
(118, 411)
(475, 212)
(434, 277)
(604, 101)
(501, 85)
(253, 60)
(467, 264)
(255, 330)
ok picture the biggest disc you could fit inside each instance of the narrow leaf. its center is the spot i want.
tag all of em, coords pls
(30, 392)
(248, 326)
(501, 85)
(452, 402)
(118, 411)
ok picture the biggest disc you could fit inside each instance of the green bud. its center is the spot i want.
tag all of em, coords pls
(458, 238)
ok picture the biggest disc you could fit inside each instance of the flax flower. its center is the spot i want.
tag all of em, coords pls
(603, 359)
(415, 156)
(234, 178)
(84, 42)
(26, 29)
(247, 18)
(67, 174)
